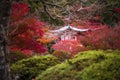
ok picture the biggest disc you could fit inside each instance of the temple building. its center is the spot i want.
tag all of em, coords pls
(66, 33)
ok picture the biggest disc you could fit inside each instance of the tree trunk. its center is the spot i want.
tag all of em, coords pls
(5, 6)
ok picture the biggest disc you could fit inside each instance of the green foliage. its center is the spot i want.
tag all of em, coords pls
(109, 16)
(27, 69)
(106, 70)
(45, 10)
(46, 18)
(14, 56)
(88, 65)
(53, 11)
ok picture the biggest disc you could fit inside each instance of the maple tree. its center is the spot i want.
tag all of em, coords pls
(71, 46)
(25, 29)
(103, 38)
(45, 38)
(117, 10)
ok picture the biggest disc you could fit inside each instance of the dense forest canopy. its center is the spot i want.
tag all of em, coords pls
(56, 11)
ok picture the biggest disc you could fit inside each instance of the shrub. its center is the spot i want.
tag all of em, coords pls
(88, 65)
(27, 69)
(62, 55)
(14, 56)
(106, 70)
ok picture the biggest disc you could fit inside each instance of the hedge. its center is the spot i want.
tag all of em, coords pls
(27, 69)
(88, 65)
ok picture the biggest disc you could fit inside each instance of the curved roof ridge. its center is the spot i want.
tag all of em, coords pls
(67, 27)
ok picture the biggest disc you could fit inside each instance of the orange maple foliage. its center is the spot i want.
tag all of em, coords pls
(46, 40)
